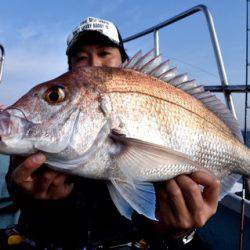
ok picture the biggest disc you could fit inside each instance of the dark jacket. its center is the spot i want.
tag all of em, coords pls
(87, 217)
(87, 214)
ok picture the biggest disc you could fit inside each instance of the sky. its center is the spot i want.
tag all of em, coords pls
(34, 35)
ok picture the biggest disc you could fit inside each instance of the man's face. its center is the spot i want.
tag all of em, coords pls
(96, 55)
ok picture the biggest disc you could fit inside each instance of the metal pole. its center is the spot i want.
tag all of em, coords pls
(244, 181)
(213, 36)
(156, 42)
(219, 59)
(1, 61)
(246, 75)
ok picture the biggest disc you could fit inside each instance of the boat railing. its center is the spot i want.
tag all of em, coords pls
(224, 87)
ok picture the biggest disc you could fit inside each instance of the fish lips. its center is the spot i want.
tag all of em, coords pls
(5, 125)
(12, 131)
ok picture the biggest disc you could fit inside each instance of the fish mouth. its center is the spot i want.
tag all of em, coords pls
(7, 128)
(12, 126)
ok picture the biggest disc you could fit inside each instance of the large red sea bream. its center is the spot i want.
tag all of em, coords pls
(130, 126)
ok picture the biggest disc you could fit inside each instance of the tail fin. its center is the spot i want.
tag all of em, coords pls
(227, 183)
(242, 167)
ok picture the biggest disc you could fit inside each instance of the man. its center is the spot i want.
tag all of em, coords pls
(61, 210)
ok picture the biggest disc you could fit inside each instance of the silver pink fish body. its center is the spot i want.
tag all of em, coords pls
(125, 127)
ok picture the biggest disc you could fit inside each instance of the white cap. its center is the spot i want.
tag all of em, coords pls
(104, 27)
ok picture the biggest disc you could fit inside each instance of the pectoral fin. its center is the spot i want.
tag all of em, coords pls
(137, 164)
(146, 161)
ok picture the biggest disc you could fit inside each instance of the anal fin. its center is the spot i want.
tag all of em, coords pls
(122, 205)
(139, 195)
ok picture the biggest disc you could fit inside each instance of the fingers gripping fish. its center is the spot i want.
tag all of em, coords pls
(131, 126)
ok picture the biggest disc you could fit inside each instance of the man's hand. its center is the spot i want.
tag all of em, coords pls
(45, 185)
(182, 206)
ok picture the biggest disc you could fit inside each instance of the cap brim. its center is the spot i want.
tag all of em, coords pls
(91, 37)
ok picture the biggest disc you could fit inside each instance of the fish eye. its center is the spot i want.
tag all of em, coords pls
(55, 95)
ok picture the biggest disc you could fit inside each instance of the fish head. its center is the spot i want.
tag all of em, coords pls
(47, 117)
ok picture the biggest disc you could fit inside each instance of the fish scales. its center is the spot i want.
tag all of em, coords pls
(136, 103)
(132, 82)
(203, 144)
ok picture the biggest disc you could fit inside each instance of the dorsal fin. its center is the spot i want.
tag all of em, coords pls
(129, 64)
(179, 80)
(160, 69)
(153, 65)
(144, 60)
(168, 75)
